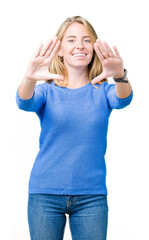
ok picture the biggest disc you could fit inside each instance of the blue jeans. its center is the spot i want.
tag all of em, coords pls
(88, 216)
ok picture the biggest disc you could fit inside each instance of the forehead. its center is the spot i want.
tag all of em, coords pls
(76, 29)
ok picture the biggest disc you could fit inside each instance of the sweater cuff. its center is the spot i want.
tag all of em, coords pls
(125, 101)
(24, 103)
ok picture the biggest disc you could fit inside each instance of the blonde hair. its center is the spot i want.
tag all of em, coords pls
(57, 66)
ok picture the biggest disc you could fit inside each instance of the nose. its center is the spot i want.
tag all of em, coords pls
(79, 45)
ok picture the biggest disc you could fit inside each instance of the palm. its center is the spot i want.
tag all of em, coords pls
(112, 64)
(38, 67)
(39, 70)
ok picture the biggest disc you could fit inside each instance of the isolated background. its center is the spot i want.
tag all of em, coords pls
(24, 24)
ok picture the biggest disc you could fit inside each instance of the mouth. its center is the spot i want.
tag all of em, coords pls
(79, 55)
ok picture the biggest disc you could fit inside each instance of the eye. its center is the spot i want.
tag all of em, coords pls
(71, 40)
(87, 40)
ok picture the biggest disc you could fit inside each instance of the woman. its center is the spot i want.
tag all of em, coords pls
(73, 105)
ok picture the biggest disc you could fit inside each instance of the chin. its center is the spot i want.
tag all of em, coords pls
(81, 63)
(78, 63)
(80, 66)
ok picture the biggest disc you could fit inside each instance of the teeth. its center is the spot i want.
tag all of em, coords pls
(79, 54)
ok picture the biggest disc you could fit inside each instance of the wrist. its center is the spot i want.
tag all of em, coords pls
(123, 78)
(28, 78)
(120, 74)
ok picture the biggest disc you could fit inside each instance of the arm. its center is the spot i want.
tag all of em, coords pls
(26, 89)
(30, 97)
(123, 90)
(120, 101)
(112, 65)
(38, 68)
(119, 94)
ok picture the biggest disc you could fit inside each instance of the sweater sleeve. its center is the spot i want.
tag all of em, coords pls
(114, 101)
(35, 103)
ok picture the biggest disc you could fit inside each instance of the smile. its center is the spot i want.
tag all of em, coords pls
(79, 55)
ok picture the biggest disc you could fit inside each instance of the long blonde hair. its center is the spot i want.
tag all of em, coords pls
(57, 66)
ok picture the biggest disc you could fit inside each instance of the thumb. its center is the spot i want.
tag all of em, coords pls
(98, 78)
(56, 77)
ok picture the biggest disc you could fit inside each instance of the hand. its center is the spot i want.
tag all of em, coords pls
(112, 63)
(38, 67)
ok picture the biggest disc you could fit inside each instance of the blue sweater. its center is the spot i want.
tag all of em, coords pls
(73, 138)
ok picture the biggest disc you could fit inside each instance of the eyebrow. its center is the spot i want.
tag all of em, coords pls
(75, 36)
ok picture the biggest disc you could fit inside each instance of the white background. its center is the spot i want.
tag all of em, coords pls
(24, 24)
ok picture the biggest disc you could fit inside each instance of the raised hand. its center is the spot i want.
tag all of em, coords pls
(38, 67)
(112, 63)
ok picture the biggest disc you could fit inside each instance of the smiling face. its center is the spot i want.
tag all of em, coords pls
(76, 46)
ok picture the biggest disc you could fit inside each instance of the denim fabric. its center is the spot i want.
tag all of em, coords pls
(87, 214)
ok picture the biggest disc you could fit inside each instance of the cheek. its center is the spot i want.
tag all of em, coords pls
(91, 52)
(63, 48)
(66, 50)
(90, 48)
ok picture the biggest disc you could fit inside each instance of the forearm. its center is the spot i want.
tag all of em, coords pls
(26, 89)
(123, 90)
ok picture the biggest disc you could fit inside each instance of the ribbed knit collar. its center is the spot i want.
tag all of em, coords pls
(72, 90)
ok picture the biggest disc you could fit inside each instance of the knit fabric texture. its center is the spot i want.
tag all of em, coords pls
(73, 137)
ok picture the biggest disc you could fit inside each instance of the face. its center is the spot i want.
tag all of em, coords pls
(76, 46)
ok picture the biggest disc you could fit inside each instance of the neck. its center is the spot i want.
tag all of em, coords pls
(77, 77)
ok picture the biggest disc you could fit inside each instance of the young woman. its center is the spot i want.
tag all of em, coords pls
(73, 105)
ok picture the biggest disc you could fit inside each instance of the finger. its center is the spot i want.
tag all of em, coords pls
(37, 53)
(50, 49)
(116, 51)
(44, 50)
(99, 54)
(55, 50)
(98, 78)
(56, 77)
(102, 49)
(108, 49)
